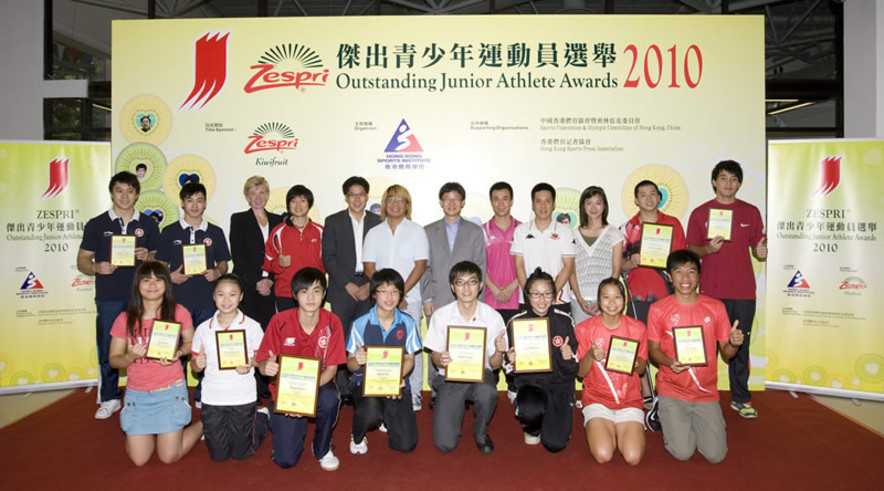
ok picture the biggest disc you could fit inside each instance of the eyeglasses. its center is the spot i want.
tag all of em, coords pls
(539, 295)
(356, 195)
(387, 293)
(396, 199)
(463, 283)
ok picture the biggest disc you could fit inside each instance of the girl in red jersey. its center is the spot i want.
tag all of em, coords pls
(612, 401)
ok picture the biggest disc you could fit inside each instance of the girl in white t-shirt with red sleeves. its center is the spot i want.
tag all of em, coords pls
(612, 401)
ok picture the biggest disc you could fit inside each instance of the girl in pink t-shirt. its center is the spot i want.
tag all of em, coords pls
(612, 401)
(155, 409)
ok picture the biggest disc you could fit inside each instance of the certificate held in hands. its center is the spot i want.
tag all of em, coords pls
(194, 258)
(297, 385)
(466, 346)
(231, 347)
(656, 244)
(531, 341)
(690, 348)
(122, 251)
(621, 355)
(163, 342)
(720, 223)
(383, 371)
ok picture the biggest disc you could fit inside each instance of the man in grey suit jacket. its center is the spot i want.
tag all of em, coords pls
(348, 287)
(452, 240)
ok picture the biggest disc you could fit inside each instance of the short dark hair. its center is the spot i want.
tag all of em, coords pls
(387, 276)
(643, 183)
(305, 278)
(681, 257)
(731, 166)
(125, 177)
(191, 188)
(145, 117)
(141, 166)
(610, 281)
(543, 186)
(561, 217)
(464, 268)
(228, 277)
(299, 191)
(354, 181)
(453, 186)
(588, 193)
(540, 275)
(497, 186)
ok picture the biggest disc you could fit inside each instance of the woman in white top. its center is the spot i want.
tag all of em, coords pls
(599, 251)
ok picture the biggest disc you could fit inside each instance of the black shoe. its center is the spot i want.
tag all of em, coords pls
(433, 402)
(486, 447)
(346, 401)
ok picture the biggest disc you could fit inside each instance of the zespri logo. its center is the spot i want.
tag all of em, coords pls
(287, 65)
(271, 136)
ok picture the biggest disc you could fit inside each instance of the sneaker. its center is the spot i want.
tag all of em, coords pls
(531, 439)
(358, 448)
(107, 408)
(198, 404)
(511, 395)
(579, 404)
(745, 409)
(329, 462)
(382, 428)
(265, 411)
(416, 402)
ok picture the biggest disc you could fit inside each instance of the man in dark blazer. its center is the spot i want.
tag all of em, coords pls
(452, 240)
(348, 287)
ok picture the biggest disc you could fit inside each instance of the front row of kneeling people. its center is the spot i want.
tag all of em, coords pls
(156, 416)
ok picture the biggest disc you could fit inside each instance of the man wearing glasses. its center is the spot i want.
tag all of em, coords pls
(348, 287)
(465, 280)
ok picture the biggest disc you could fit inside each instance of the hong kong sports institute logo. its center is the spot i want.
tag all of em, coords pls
(58, 178)
(403, 151)
(287, 65)
(210, 70)
(830, 175)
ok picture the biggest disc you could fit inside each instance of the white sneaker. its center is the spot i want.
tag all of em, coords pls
(198, 404)
(107, 408)
(382, 428)
(532, 440)
(416, 402)
(511, 395)
(265, 411)
(329, 462)
(359, 448)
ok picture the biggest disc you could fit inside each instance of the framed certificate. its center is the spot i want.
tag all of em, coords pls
(297, 385)
(690, 348)
(382, 374)
(621, 355)
(655, 245)
(466, 345)
(163, 342)
(531, 340)
(231, 346)
(122, 251)
(720, 223)
(194, 258)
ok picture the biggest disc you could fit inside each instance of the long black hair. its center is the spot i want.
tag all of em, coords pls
(136, 304)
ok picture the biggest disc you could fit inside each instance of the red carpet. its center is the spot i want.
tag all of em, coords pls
(795, 444)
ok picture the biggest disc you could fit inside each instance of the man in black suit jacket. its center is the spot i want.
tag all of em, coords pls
(348, 288)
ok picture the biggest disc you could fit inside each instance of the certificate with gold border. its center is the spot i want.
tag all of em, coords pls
(297, 385)
(466, 346)
(122, 251)
(720, 222)
(655, 245)
(621, 355)
(194, 258)
(382, 373)
(231, 349)
(163, 342)
(531, 341)
(690, 348)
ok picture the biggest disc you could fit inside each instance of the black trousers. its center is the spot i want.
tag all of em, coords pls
(396, 414)
(233, 431)
(738, 366)
(548, 412)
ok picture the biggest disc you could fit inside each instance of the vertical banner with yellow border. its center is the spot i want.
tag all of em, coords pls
(572, 100)
(826, 200)
(48, 191)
